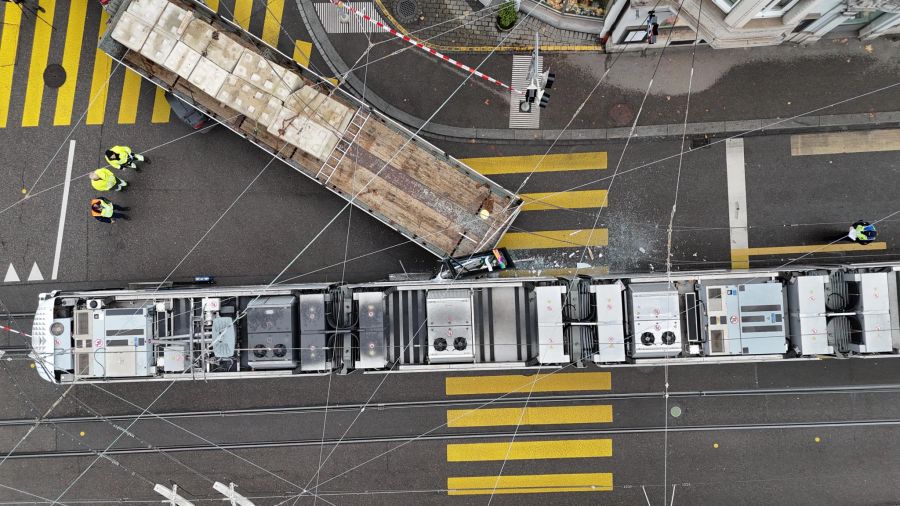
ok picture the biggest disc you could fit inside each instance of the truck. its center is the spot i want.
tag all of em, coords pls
(310, 124)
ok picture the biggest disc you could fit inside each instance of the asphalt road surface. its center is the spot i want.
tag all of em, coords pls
(806, 432)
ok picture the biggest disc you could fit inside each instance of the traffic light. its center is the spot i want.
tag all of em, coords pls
(549, 79)
(531, 95)
(545, 98)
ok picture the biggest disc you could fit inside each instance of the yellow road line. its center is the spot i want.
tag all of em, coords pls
(213, 4)
(812, 248)
(845, 142)
(551, 163)
(582, 199)
(161, 107)
(243, 10)
(40, 50)
(9, 42)
(555, 239)
(131, 94)
(99, 81)
(505, 384)
(557, 415)
(739, 261)
(530, 450)
(302, 52)
(272, 23)
(740, 258)
(65, 96)
(530, 484)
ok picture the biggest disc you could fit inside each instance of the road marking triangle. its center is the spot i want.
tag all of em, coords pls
(11, 275)
(35, 274)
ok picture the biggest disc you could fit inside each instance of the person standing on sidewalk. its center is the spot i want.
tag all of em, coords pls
(103, 180)
(105, 211)
(120, 157)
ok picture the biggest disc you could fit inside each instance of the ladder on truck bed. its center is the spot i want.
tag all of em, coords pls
(340, 149)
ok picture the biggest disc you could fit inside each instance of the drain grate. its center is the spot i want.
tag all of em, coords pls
(406, 11)
(54, 75)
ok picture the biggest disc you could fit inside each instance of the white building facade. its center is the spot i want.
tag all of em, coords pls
(745, 23)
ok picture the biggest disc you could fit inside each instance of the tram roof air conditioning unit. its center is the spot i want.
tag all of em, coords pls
(450, 326)
(656, 321)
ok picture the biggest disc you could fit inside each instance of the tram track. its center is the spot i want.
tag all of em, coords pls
(459, 403)
(461, 436)
(454, 403)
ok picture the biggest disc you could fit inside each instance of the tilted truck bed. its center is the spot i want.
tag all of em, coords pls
(316, 128)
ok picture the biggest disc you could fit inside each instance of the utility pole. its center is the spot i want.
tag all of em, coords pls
(538, 82)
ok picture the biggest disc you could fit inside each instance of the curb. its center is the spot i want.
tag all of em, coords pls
(509, 136)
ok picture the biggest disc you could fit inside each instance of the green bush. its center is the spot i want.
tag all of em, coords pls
(508, 15)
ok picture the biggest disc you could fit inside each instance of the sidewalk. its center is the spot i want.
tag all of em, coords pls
(732, 91)
(464, 26)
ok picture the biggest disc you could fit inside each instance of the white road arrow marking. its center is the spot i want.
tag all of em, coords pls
(11, 275)
(35, 273)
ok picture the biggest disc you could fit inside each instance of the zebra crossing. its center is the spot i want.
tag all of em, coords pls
(520, 456)
(84, 96)
(338, 20)
(519, 81)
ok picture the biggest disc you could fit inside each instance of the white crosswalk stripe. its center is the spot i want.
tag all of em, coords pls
(519, 81)
(339, 20)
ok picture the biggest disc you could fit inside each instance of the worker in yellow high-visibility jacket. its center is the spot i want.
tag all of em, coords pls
(120, 157)
(103, 180)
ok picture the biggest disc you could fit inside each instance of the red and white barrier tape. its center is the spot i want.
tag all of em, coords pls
(4, 327)
(423, 47)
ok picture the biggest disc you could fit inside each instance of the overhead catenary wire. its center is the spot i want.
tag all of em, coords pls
(687, 109)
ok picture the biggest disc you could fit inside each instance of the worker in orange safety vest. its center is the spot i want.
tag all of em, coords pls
(105, 211)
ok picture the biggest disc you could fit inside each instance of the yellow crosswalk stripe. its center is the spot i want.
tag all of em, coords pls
(530, 450)
(9, 43)
(494, 417)
(213, 4)
(302, 52)
(131, 94)
(551, 163)
(564, 200)
(530, 484)
(65, 97)
(740, 257)
(40, 51)
(830, 143)
(99, 81)
(243, 10)
(161, 108)
(516, 383)
(555, 239)
(272, 23)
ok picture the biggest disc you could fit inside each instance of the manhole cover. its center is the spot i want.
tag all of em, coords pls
(54, 75)
(406, 11)
(676, 411)
(621, 115)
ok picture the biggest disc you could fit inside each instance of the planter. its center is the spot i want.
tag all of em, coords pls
(508, 28)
